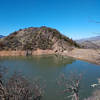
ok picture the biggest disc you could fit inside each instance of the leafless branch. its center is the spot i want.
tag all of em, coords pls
(71, 85)
(19, 88)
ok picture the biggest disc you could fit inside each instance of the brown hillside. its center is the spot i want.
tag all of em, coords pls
(37, 38)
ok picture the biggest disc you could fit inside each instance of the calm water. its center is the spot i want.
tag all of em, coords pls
(49, 68)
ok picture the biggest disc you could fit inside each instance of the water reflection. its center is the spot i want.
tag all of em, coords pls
(43, 60)
(49, 67)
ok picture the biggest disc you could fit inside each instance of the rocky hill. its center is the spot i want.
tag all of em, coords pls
(34, 38)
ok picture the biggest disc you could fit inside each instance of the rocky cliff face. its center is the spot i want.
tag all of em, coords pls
(37, 38)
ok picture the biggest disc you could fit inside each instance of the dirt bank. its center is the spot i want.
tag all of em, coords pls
(89, 55)
(23, 53)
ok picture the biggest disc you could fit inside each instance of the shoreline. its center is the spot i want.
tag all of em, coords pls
(89, 55)
(24, 53)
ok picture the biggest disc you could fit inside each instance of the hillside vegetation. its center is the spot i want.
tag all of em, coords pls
(34, 38)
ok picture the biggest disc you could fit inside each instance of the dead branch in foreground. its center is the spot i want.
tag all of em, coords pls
(19, 88)
(71, 85)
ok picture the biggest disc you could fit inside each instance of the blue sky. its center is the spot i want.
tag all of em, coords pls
(74, 18)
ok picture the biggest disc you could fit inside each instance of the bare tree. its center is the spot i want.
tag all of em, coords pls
(19, 88)
(71, 85)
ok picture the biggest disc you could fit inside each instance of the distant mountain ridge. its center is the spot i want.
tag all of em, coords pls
(93, 42)
(1, 36)
(34, 38)
(89, 39)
